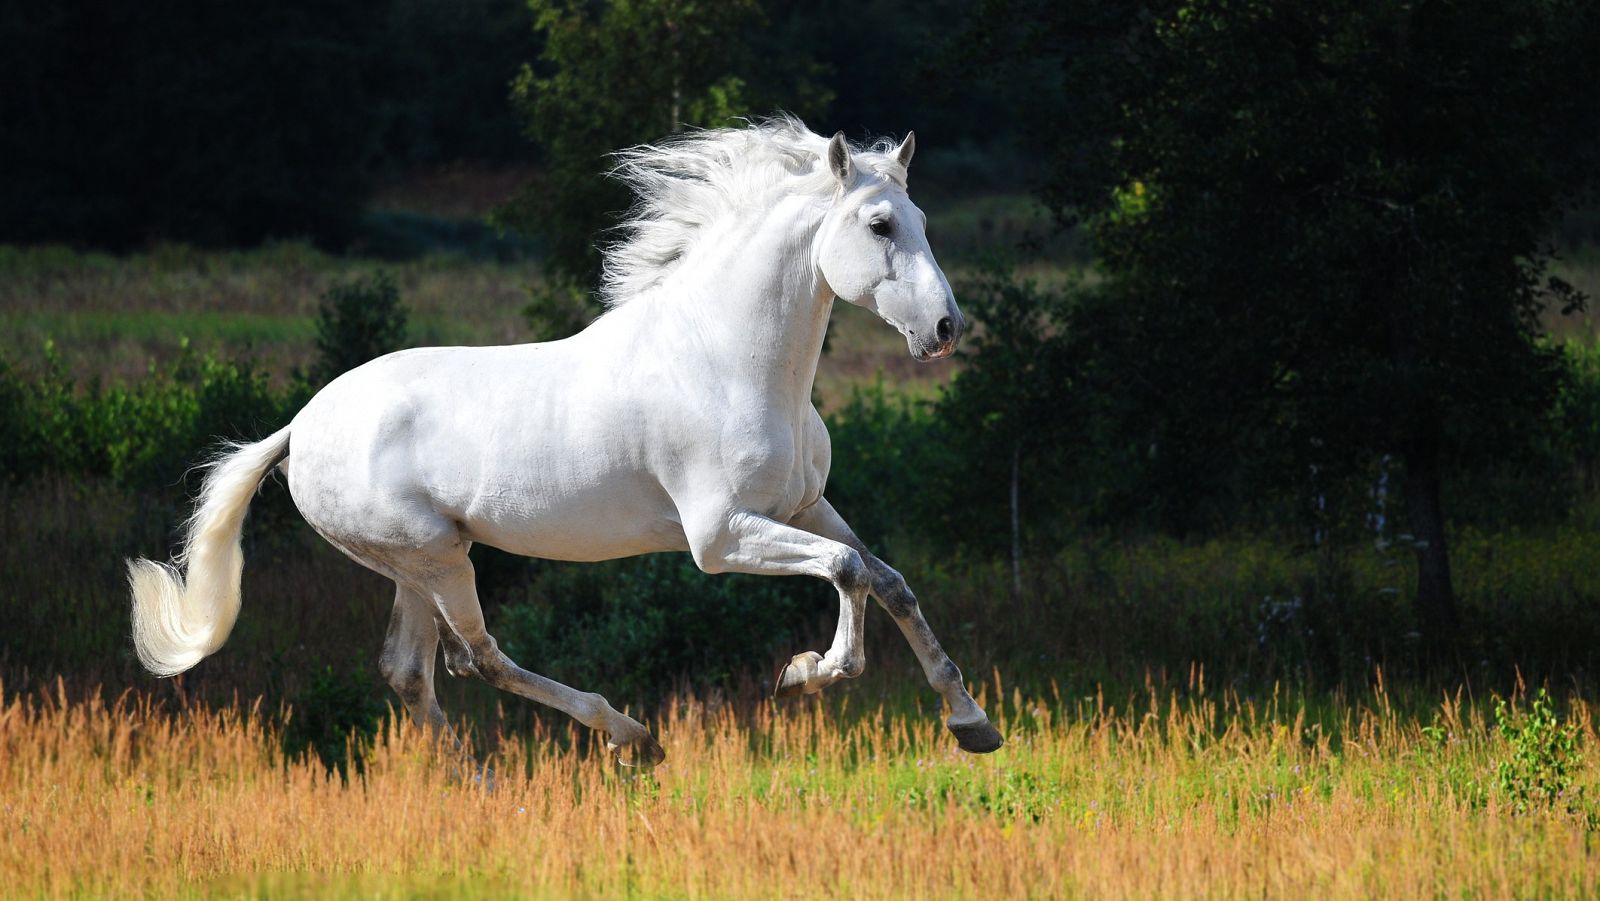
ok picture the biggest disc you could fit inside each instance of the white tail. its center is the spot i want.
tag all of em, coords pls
(184, 610)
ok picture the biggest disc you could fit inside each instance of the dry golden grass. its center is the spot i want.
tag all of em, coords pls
(1158, 797)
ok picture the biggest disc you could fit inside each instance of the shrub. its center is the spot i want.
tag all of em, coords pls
(336, 716)
(631, 627)
(359, 320)
(888, 467)
(141, 435)
(1544, 757)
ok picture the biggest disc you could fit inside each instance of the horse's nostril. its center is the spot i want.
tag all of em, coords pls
(945, 330)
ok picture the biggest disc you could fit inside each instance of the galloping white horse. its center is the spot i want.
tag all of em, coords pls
(681, 419)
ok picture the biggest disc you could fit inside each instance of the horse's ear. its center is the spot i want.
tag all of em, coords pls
(908, 147)
(839, 159)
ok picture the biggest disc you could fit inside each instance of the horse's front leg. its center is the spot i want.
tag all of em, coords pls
(748, 542)
(967, 721)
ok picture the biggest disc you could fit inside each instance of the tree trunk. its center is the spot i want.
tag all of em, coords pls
(1436, 598)
(1016, 521)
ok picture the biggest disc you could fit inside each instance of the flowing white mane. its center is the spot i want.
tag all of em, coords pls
(688, 182)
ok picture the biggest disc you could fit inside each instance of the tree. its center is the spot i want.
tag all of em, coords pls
(619, 73)
(1005, 415)
(1323, 228)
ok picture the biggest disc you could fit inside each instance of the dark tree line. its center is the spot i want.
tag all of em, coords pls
(1324, 229)
(228, 123)
(225, 124)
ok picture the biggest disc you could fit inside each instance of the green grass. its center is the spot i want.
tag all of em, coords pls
(112, 317)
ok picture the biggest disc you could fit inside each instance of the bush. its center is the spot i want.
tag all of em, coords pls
(632, 627)
(1578, 411)
(359, 320)
(888, 467)
(336, 716)
(1544, 757)
(141, 435)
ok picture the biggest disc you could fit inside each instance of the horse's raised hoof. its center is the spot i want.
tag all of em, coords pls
(977, 738)
(796, 675)
(643, 752)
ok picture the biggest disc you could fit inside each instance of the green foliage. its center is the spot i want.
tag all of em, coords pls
(144, 434)
(624, 72)
(556, 310)
(337, 717)
(358, 320)
(887, 458)
(637, 625)
(1545, 754)
(609, 76)
(1322, 230)
(1008, 417)
(1578, 411)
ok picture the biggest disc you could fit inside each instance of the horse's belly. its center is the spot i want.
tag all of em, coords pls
(620, 520)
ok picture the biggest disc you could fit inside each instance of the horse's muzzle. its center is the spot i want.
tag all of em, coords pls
(946, 335)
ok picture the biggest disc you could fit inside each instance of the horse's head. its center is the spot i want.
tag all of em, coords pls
(872, 250)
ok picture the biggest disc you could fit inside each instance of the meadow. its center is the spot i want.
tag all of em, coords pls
(1172, 791)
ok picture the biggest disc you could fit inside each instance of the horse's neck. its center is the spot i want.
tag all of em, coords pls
(758, 304)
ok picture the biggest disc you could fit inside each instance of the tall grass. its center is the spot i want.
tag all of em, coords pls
(1177, 792)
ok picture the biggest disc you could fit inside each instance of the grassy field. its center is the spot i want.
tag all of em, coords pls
(113, 316)
(1172, 793)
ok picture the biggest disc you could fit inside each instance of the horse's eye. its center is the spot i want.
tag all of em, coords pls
(880, 227)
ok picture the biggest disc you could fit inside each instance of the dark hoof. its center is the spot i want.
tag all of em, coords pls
(978, 738)
(644, 753)
(796, 675)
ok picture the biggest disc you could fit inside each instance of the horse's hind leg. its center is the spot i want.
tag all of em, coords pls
(409, 650)
(449, 584)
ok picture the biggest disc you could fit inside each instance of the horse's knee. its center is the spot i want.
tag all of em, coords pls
(850, 572)
(459, 665)
(481, 658)
(458, 657)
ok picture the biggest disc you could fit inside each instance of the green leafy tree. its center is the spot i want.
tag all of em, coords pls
(618, 73)
(1005, 413)
(1323, 231)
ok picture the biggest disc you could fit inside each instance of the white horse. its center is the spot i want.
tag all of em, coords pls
(681, 419)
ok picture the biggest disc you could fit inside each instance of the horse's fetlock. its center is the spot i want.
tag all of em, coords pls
(852, 666)
(595, 708)
(948, 676)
